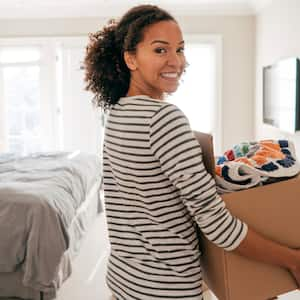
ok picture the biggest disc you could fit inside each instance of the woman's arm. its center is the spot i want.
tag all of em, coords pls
(180, 156)
(257, 247)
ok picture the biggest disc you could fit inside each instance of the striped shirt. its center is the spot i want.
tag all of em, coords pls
(156, 191)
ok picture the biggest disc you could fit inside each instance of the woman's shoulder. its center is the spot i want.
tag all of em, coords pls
(168, 112)
(149, 106)
(143, 102)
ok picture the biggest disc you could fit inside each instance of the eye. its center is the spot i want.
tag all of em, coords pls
(180, 50)
(160, 50)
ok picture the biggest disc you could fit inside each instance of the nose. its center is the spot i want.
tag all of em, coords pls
(175, 59)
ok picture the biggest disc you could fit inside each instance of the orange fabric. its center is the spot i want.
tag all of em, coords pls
(218, 170)
(270, 153)
(244, 160)
(271, 144)
(259, 159)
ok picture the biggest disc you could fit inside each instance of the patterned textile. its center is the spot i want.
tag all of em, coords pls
(250, 164)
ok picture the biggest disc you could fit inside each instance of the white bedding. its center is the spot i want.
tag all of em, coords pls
(39, 199)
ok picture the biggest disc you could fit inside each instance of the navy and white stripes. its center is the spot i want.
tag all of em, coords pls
(156, 188)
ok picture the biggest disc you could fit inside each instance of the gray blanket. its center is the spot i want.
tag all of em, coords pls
(39, 196)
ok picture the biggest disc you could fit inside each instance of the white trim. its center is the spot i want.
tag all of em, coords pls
(21, 64)
(118, 8)
(3, 116)
(38, 41)
(59, 100)
(48, 93)
(217, 40)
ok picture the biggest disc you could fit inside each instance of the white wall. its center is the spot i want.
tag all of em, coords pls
(278, 32)
(238, 59)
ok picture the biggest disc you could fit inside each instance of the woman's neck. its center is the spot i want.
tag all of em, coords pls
(135, 90)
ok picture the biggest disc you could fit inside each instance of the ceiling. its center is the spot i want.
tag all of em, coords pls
(111, 8)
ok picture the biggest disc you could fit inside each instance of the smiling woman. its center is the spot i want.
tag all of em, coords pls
(156, 188)
(155, 184)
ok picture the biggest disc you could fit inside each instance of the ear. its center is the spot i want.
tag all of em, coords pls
(130, 61)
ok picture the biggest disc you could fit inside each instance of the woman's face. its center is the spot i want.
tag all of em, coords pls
(158, 62)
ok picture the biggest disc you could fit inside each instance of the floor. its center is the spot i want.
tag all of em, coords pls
(88, 279)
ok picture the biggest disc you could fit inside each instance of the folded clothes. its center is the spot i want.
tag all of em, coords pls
(249, 164)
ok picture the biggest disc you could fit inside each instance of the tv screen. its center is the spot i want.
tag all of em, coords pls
(281, 95)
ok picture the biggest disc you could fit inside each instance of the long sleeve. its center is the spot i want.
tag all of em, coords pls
(180, 156)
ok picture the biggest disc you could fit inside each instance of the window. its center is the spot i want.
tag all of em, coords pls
(26, 116)
(21, 89)
(43, 104)
(198, 94)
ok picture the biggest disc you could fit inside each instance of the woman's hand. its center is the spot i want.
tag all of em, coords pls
(262, 249)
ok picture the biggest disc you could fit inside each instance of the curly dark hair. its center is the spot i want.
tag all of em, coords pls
(106, 73)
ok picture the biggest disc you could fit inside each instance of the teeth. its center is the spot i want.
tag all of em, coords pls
(169, 75)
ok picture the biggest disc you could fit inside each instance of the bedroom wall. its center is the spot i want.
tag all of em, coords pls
(278, 32)
(238, 59)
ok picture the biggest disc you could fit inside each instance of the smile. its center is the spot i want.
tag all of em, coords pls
(170, 75)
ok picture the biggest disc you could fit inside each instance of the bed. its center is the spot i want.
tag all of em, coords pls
(47, 203)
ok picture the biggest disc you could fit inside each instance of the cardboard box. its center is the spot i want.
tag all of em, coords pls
(272, 210)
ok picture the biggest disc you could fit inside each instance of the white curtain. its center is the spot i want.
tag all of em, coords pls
(3, 131)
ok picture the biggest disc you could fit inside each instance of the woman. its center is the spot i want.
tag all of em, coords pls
(156, 188)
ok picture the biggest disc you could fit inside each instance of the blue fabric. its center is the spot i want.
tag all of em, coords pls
(269, 167)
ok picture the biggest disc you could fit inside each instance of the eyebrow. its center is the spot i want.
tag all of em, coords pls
(164, 42)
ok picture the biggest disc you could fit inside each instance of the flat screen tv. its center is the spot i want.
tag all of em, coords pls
(281, 95)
